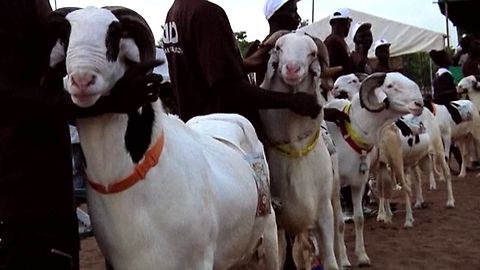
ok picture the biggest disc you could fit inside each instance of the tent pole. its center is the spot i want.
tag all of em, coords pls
(446, 23)
(313, 11)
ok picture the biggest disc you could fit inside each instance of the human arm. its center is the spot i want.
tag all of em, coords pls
(19, 102)
(223, 69)
(243, 95)
(257, 56)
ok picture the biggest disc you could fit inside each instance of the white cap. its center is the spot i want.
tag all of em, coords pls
(358, 25)
(342, 13)
(380, 42)
(271, 6)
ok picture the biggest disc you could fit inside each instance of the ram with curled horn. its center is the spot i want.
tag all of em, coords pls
(176, 195)
(382, 98)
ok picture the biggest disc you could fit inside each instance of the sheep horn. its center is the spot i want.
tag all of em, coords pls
(331, 72)
(135, 26)
(368, 99)
(361, 76)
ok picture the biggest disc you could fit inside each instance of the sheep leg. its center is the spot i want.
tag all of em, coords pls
(381, 215)
(462, 145)
(282, 247)
(417, 184)
(448, 178)
(270, 243)
(357, 193)
(340, 248)
(407, 193)
(326, 232)
(339, 224)
(303, 251)
(388, 188)
(436, 167)
(447, 142)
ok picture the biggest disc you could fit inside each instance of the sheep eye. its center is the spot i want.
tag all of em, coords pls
(277, 48)
(390, 86)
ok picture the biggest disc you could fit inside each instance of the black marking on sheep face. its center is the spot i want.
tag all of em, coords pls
(138, 135)
(112, 41)
(64, 30)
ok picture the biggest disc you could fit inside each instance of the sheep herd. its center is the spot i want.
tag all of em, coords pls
(197, 206)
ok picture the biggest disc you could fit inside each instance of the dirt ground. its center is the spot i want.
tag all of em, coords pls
(442, 239)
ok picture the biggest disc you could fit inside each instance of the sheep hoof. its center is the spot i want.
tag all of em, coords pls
(462, 175)
(346, 263)
(450, 205)
(420, 205)
(364, 261)
(408, 224)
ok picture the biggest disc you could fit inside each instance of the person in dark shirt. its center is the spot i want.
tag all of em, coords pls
(382, 52)
(207, 70)
(444, 88)
(472, 64)
(38, 223)
(363, 39)
(338, 51)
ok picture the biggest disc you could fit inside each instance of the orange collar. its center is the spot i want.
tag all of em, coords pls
(141, 169)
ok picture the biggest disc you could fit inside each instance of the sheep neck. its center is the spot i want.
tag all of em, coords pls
(103, 142)
(297, 130)
(367, 123)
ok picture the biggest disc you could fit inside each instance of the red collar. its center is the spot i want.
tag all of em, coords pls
(141, 169)
(359, 149)
(357, 145)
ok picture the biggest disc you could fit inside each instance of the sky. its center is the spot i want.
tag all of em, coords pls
(247, 15)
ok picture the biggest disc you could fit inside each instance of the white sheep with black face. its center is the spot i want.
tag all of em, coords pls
(188, 201)
(96, 49)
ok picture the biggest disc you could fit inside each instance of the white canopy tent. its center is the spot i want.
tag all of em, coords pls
(405, 39)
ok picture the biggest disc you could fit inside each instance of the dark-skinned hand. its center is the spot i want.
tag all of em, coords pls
(305, 104)
(335, 115)
(136, 88)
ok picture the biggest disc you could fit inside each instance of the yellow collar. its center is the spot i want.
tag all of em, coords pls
(290, 152)
(353, 138)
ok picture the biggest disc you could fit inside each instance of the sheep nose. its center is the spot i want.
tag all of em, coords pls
(419, 103)
(293, 68)
(83, 80)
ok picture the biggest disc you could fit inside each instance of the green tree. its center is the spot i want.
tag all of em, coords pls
(243, 43)
(416, 66)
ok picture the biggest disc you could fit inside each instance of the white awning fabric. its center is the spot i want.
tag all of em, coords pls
(405, 39)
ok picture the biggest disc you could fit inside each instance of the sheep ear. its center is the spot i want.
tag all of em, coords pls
(129, 50)
(57, 55)
(316, 69)
(271, 69)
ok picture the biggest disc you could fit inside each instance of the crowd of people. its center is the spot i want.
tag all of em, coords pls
(38, 226)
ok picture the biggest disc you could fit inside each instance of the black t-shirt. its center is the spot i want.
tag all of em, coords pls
(35, 161)
(338, 54)
(201, 52)
(444, 89)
